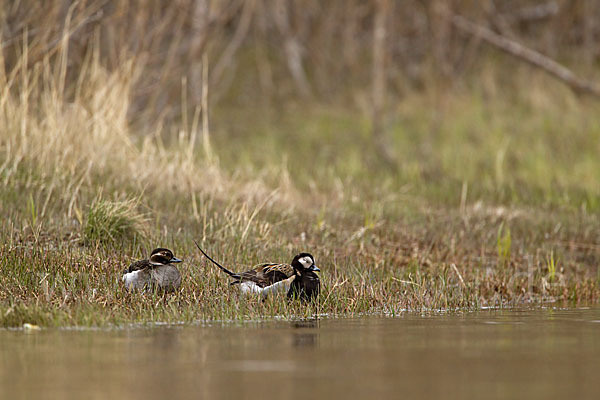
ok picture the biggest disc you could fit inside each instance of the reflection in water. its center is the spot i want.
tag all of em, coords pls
(305, 334)
(488, 354)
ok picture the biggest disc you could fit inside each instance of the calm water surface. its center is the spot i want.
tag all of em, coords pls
(549, 353)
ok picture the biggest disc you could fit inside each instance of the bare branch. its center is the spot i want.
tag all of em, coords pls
(292, 47)
(379, 86)
(528, 55)
(238, 37)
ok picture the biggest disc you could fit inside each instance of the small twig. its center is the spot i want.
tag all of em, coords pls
(205, 128)
(406, 282)
(458, 273)
(255, 213)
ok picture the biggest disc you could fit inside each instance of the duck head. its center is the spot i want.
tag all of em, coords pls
(304, 262)
(162, 256)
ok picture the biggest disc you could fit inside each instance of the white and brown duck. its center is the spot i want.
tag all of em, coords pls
(156, 272)
(298, 279)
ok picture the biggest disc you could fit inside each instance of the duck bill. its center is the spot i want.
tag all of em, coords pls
(175, 260)
(314, 268)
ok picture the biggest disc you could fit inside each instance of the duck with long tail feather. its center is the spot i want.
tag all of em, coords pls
(298, 279)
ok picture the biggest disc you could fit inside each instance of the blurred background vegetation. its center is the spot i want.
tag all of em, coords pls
(339, 89)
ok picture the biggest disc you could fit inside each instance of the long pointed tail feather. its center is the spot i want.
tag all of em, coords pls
(228, 272)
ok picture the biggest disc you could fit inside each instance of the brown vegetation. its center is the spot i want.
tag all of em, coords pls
(273, 50)
(422, 168)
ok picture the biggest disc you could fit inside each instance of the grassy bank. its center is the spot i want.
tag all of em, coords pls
(495, 201)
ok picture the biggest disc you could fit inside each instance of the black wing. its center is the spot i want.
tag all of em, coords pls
(266, 274)
(137, 266)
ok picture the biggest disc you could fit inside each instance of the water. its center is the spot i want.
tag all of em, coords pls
(536, 354)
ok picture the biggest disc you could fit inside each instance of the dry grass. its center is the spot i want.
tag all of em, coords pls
(470, 219)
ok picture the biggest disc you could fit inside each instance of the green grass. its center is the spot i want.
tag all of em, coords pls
(488, 193)
(109, 222)
(503, 244)
(505, 150)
